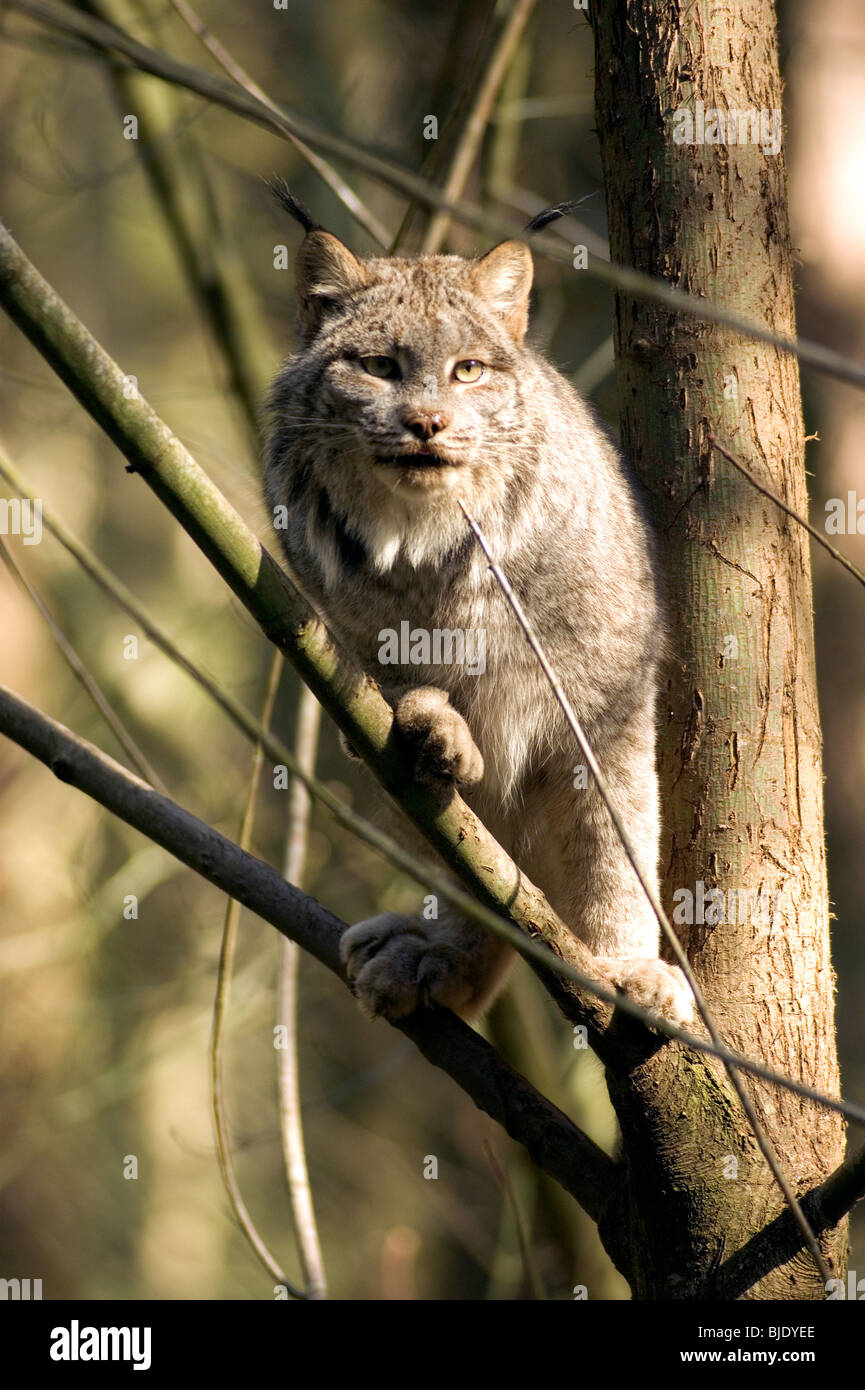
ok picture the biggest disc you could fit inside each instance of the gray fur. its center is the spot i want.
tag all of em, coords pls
(374, 544)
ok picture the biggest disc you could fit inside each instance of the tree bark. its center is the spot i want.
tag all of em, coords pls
(740, 753)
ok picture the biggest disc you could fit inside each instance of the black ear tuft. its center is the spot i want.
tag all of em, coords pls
(548, 215)
(292, 204)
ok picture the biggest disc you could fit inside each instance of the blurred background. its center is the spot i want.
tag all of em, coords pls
(167, 245)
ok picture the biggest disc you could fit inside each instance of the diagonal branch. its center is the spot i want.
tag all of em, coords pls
(326, 171)
(184, 192)
(478, 118)
(779, 502)
(779, 1241)
(553, 1141)
(82, 674)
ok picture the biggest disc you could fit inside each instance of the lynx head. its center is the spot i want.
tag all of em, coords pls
(407, 390)
(419, 357)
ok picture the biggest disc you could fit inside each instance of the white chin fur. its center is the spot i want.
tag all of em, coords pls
(406, 530)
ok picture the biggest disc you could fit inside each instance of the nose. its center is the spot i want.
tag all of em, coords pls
(423, 424)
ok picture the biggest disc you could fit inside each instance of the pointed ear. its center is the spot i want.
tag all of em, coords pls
(503, 277)
(326, 272)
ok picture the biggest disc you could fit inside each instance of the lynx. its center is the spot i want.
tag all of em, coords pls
(413, 385)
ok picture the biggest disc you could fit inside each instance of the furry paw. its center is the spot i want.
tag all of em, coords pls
(446, 750)
(654, 985)
(395, 968)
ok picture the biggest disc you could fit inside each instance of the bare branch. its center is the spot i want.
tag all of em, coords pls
(184, 192)
(326, 171)
(307, 721)
(552, 1140)
(779, 1241)
(779, 502)
(478, 118)
(221, 999)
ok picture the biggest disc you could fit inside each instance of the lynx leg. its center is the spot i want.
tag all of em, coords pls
(586, 874)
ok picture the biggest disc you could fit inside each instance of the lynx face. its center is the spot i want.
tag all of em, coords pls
(409, 387)
(421, 369)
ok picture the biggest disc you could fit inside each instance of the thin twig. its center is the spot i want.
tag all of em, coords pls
(478, 119)
(670, 936)
(779, 502)
(222, 996)
(509, 1197)
(326, 171)
(307, 722)
(81, 673)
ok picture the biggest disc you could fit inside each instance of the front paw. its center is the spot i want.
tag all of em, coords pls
(396, 968)
(654, 985)
(446, 750)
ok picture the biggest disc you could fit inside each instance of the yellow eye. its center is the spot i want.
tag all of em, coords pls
(386, 368)
(469, 371)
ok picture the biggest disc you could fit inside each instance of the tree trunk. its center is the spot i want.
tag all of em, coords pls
(740, 749)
